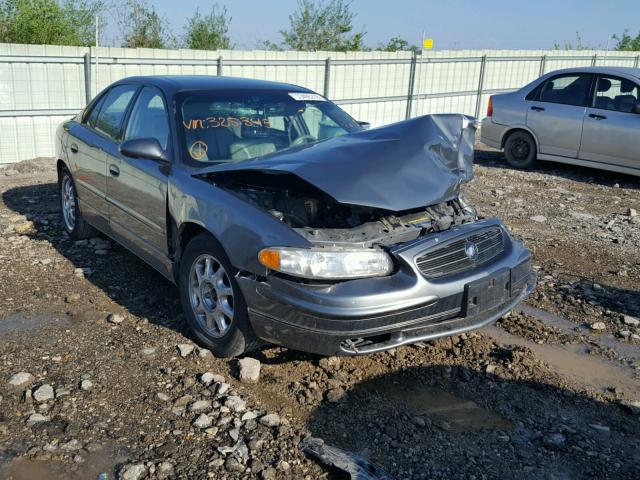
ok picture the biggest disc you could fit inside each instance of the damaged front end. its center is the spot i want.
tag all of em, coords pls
(394, 253)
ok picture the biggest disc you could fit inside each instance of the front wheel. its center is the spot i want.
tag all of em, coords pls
(212, 301)
(520, 150)
(72, 220)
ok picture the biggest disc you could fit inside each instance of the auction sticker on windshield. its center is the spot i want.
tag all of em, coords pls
(307, 97)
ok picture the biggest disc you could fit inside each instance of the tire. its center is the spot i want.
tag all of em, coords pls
(520, 150)
(212, 301)
(71, 216)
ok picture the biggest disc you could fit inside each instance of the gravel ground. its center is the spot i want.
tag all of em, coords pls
(99, 378)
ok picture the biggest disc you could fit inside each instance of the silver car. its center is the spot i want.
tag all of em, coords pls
(582, 116)
(281, 219)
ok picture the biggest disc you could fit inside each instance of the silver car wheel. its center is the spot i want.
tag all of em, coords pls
(68, 193)
(211, 295)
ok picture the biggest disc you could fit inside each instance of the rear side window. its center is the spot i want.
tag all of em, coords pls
(614, 93)
(571, 89)
(113, 110)
(92, 115)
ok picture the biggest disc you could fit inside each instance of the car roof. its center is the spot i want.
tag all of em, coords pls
(634, 72)
(172, 84)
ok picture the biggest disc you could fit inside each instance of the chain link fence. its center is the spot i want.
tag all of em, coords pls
(41, 86)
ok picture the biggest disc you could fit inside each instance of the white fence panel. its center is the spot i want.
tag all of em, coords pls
(42, 85)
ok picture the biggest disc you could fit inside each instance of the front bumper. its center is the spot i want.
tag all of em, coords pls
(371, 315)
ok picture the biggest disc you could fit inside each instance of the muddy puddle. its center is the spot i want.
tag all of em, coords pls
(575, 363)
(626, 350)
(461, 414)
(19, 322)
(95, 465)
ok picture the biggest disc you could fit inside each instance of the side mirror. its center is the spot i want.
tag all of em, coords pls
(147, 148)
(365, 125)
(636, 108)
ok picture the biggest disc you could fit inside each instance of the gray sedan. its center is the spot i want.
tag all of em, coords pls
(581, 116)
(282, 220)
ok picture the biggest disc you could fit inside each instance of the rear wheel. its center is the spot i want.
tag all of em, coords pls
(212, 301)
(520, 150)
(72, 220)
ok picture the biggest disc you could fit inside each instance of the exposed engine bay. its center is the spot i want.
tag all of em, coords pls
(322, 220)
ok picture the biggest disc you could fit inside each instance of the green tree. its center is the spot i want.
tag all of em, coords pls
(578, 45)
(322, 25)
(142, 27)
(210, 32)
(627, 42)
(52, 22)
(396, 44)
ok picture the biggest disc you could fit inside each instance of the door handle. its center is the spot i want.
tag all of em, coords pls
(597, 117)
(74, 148)
(113, 170)
(537, 109)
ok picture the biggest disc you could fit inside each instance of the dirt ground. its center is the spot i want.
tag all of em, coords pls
(552, 391)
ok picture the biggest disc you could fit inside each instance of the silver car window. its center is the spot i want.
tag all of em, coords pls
(570, 89)
(614, 93)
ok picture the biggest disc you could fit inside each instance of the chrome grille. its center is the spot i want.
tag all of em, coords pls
(452, 258)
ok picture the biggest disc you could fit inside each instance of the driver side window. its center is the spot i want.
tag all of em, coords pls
(149, 118)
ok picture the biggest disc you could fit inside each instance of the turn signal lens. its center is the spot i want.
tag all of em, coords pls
(270, 258)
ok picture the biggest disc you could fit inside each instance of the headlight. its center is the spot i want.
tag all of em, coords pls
(324, 263)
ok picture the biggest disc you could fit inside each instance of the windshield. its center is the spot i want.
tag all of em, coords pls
(232, 126)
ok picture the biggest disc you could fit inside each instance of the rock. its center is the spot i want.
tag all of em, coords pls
(632, 406)
(419, 422)
(200, 406)
(632, 212)
(71, 446)
(631, 321)
(330, 363)
(222, 388)
(268, 473)
(207, 378)
(231, 464)
(554, 440)
(148, 351)
(86, 385)
(43, 393)
(603, 429)
(538, 218)
(249, 416)
(185, 349)
(74, 297)
(491, 368)
(334, 395)
(115, 318)
(183, 401)
(235, 403)
(35, 418)
(21, 379)
(249, 370)
(163, 397)
(164, 470)
(270, 420)
(134, 472)
(203, 421)
(598, 326)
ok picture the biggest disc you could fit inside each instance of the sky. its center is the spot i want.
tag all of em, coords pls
(453, 24)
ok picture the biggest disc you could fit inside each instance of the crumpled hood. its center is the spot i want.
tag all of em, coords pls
(405, 165)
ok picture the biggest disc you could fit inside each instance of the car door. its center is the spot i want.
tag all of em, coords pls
(88, 165)
(137, 188)
(556, 112)
(611, 132)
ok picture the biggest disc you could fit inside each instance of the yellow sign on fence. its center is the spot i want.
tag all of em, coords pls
(427, 43)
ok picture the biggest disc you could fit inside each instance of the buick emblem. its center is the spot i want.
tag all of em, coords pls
(471, 251)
